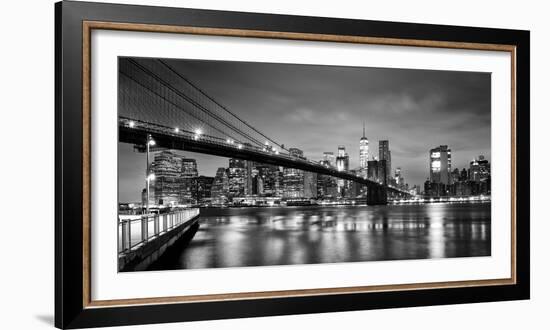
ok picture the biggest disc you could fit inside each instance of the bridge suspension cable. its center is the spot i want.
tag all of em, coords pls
(186, 124)
(154, 91)
(220, 105)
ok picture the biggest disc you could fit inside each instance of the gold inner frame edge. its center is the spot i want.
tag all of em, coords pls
(89, 26)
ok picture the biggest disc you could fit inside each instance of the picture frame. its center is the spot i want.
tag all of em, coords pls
(75, 306)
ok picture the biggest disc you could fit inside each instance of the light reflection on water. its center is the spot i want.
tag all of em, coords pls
(234, 237)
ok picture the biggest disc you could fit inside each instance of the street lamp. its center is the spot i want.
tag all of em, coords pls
(148, 178)
(148, 175)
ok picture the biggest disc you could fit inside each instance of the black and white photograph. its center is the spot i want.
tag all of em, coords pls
(240, 164)
(275, 165)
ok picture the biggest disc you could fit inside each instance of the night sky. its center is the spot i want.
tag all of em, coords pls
(316, 108)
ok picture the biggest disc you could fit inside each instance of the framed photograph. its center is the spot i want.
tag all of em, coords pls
(218, 164)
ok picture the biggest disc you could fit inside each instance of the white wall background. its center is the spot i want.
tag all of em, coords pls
(26, 163)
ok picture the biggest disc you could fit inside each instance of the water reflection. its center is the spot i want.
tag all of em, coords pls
(303, 235)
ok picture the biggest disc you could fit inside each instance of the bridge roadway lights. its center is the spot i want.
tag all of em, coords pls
(377, 195)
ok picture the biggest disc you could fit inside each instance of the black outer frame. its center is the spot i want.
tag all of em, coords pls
(69, 308)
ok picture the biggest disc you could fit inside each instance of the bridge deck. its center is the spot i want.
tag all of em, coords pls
(135, 132)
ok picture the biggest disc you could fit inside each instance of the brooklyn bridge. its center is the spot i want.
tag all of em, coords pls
(158, 102)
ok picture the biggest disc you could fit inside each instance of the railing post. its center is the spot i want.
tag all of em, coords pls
(169, 221)
(124, 234)
(156, 224)
(144, 228)
(129, 235)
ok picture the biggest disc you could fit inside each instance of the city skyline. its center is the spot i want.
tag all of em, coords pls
(454, 108)
(225, 162)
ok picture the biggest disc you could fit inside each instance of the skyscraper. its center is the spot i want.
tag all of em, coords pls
(455, 176)
(463, 175)
(293, 179)
(398, 179)
(204, 187)
(278, 176)
(236, 176)
(250, 167)
(329, 158)
(310, 185)
(220, 187)
(383, 176)
(363, 153)
(327, 186)
(189, 174)
(256, 182)
(440, 165)
(384, 153)
(167, 184)
(342, 165)
(175, 178)
(480, 169)
(342, 160)
(267, 179)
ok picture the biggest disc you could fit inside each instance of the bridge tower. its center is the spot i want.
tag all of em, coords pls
(377, 195)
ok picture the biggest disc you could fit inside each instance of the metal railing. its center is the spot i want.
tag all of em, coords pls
(133, 232)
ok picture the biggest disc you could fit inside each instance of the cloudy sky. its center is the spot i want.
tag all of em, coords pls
(316, 108)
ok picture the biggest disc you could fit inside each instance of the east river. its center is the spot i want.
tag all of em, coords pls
(235, 237)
